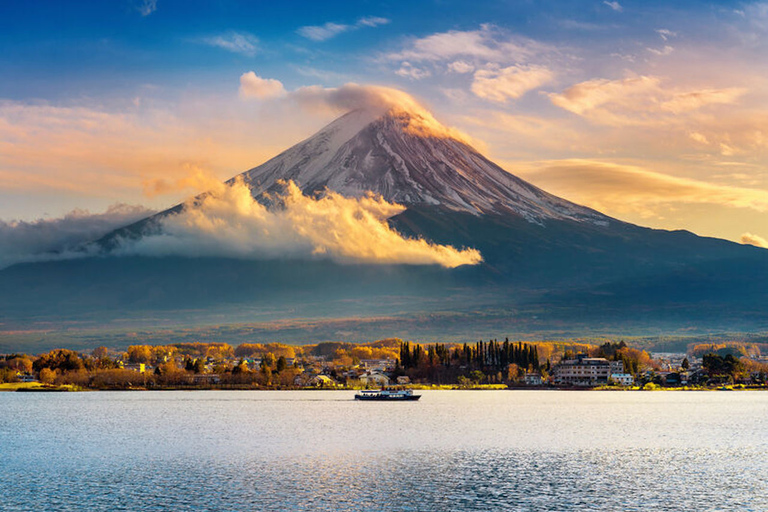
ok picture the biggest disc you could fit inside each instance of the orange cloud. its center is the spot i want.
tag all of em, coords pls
(757, 241)
(229, 222)
(637, 100)
(614, 187)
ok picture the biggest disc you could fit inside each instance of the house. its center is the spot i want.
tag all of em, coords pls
(533, 379)
(403, 379)
(135, 367)
(323, 381)
(374, 379)
(622, 379)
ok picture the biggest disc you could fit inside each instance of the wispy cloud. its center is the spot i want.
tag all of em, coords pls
(235, 42)
(661, 52)
(616, 6)
(636, 100)
(410, 71)
(331, 29)
(666, 34)
(620, 188)
(487, 44)
(323, 32)
(512, 82)
(147, 7)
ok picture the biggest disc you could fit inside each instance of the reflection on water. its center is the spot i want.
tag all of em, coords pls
(457, 451)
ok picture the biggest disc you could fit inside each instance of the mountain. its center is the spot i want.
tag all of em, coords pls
(549, 264)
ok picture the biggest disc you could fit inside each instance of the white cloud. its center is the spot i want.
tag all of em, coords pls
(461, 67)
(616, 6)
(666, 34)
(147, 7)
(409, 71)
(372, 21)
(322, 32)
(662, 52)
(752, 239)
(331, 29)
(229, 222)
(61, 238)
(488, 44)
(499, 85)
(235, 42)
(253, 86)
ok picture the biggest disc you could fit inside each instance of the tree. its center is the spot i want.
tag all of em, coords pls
(140, 354)
(47, 376)
(685, 364)
(100, 352)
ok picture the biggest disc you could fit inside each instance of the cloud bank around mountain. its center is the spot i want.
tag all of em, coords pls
(228, 222)
(64, 237)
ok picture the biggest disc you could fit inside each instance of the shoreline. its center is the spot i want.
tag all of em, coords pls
(36, 387)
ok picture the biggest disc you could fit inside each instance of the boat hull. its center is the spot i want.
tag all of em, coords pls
(385, 398)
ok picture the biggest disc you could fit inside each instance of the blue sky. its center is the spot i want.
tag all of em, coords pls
(654, 112)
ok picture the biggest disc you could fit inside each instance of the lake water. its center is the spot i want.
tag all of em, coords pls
(451, 451)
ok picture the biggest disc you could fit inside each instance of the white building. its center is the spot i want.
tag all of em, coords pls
(622, 379)
(585, 371)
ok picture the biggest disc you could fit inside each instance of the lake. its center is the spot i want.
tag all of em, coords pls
(321, 450)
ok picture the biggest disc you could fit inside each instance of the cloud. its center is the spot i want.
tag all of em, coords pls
(661, 52)
(636, 100)
(408, 71)
(372, 21)
(623, 188)
(666, 34)
(616, 6)
(197, 179)
(61, 238)
(235, 42)
(330, 29)
(461, 67)
(487, 44)
(377, 100)
(499, 85)
(253, 86)
(229, 222)
(751, 239)
(323, 32)
(147, 7)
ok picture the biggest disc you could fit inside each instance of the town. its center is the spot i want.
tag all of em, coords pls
(336, 365)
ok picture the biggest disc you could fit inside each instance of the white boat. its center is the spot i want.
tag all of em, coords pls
(395, 395)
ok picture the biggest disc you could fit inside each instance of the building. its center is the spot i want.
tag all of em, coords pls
(585, 371)
(622, 379)
(378, 365)
(374, 379)
(533, 379)
(135, 367)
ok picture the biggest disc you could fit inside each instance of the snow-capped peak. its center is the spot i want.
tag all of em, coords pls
(403, 154)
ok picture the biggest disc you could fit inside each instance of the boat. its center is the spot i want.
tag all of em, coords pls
(394, 395)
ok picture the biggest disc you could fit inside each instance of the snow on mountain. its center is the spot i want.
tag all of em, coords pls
(410, 159)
